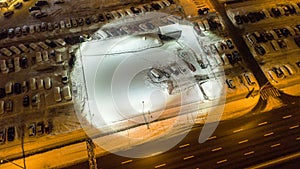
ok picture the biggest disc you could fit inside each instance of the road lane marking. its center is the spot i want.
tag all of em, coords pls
(235, 131)
(268, 134)
(161, 165)
(248, 153)
(217, 149)
(286, 117)
(243, 141)
(263, 123)
(275, 145)
(125, 162)
(184, 145)
(212, 137)
(293, 127)
(189, 157)
(222, 161)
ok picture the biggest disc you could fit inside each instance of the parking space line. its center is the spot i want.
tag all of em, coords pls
(275, 145)
(293, 127)
(235, 131)
(125, 162)
(263, 123)
(189, 157)
(243, 141)
(212, 137)
(161, 165)
(287, 116)
(268, 134)
(248, 153)
(184, 145)
(216, 149)
(222, 161)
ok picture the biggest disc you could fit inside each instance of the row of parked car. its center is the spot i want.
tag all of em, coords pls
(34, 129)
(40, 128)
(278, 11)
(7, 134)
(246, 78)
(280, 72)
(277, 37)
(81, 21)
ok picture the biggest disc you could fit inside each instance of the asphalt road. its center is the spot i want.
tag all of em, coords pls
(237, 143)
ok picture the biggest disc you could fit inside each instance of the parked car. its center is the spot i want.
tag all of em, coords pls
(32, 83)
(11, 133)
(25, 85)
(18, 5)
(41, 3)
(50, 43)
(50, 26)
(25, 30)
(2, 93)
(5, 51)
(35, 100)
(34, 8)
(43, 45)
(9, 88)
(9, 105)
(11, 32)
(15, 50)
(59, 1)
(40, 128)
(1, 110)
(31, 130)
(67, 93)
(64, 77)
(24, 62)
(17, 64)
(23, 48)
(26, 101)
(33, 46)
(17, 88)
(62, 24)
(57, 94)
(8, 14)
(2, 136)
(74, 22)
(48, 83)
(230, 83)
(3, 67)
(40, 15)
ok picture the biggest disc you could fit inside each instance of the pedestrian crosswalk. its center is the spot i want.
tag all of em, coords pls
(269, 91)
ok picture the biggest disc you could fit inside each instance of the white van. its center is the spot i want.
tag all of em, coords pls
(47, 83)
(67, 93)
(17, 64)
(101, 34)
(8, 87)
(34, 46)
(58, 58)
(275, 45)
(45, 55)
(60, 42)
(43, 45)
(15, 50)
(38, 57)
(23, 48)
(1, 106)
(32, 83)
(40, 84)
(6, 52)
(57, 94)
(3, 66)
